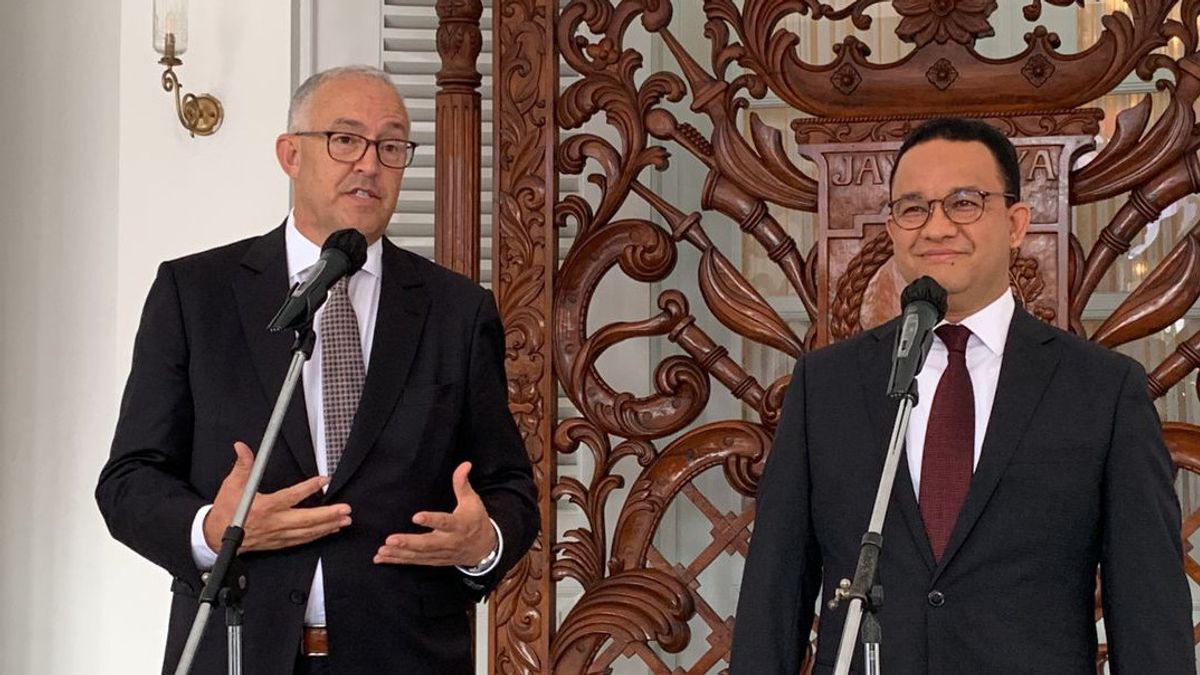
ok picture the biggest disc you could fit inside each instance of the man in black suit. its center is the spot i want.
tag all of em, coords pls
(1033, 456)
(400, 492)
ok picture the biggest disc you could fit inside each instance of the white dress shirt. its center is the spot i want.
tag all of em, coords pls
(363, 289)
(985, 351)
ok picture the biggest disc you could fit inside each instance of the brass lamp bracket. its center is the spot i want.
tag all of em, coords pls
(200, 115)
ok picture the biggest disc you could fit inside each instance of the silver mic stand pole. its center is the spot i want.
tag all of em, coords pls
(226, 583)
(864, 593)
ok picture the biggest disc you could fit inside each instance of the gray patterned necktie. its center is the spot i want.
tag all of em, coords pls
(342, 370)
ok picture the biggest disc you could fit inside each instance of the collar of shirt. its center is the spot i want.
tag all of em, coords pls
(985, 351)
(990, 324)
(302, 254)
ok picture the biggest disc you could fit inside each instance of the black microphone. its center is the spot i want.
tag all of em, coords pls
(924, 303)
(343, 254)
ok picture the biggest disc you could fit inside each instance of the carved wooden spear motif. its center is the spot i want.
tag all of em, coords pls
(1164, 295)
(1144, 206)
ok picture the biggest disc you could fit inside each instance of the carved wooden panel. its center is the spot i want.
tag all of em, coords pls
(618, 123)
(525, 242)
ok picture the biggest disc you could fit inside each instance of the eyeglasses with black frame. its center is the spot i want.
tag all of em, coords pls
(343, 146)
(962, 207)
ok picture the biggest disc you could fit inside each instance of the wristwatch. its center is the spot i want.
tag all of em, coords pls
(490, 559)
(486, 562)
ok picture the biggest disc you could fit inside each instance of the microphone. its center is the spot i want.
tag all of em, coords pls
(343, 254)
(924, 303)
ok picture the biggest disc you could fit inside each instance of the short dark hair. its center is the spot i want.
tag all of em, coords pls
(967, 130)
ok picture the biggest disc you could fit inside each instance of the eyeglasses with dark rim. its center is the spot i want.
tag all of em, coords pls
(962, 207)
(343, 146)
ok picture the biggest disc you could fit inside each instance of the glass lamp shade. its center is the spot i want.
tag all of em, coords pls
(170, 18)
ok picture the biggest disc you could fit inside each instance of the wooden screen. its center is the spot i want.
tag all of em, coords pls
(823, 161)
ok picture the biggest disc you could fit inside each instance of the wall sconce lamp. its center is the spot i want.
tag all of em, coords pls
(200, 115)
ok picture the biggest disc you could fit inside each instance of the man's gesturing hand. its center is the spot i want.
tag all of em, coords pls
(462, 538)
(274, 521)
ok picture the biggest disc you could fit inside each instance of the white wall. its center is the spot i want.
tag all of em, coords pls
(98, 184)
(58, 182)
(178, 195)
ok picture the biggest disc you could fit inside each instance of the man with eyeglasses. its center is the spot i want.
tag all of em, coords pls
(399, 493)
(1032, 459)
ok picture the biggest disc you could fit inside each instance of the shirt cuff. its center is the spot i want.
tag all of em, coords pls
(202, 555)
(486, 566)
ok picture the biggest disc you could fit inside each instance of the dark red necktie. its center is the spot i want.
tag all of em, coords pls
(949, 443)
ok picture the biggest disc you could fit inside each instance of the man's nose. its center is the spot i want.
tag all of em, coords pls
(369, 162)
(939, 225)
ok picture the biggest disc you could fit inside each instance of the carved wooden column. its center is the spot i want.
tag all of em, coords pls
(457, 164)
(525, 74)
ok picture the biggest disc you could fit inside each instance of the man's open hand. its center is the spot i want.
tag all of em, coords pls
(462, 538)
(274, 520)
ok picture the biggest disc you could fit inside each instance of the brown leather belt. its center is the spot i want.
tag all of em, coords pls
(314, 641)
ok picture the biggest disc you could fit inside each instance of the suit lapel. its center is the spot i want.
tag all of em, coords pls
(877, 365)
(1030, 358)
(399, 321)
(259, 289)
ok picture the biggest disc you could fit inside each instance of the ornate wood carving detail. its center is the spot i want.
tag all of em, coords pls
(1029, 286)
(738, 448)
(963, 22)
(634, 595)
(522, 609)
(1144, 205)
(815, 131)
(629, 608)
(1033, 11)
(1167, 292)
(457, 172)
(941, 30)
(636, 571)
(457, 163)
(459, 41)
(941, 74)
(1038, 70)
(846, 79)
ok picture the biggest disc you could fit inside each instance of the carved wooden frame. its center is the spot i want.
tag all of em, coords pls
(631, 599)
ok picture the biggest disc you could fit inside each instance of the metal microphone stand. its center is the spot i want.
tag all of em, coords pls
(226, 583)
(864, 592)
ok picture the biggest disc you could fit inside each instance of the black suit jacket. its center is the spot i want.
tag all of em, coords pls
(1073, 474)
(206, 373)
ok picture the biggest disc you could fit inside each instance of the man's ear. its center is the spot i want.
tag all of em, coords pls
(892, 229)
(1018, 223)
(287, 151)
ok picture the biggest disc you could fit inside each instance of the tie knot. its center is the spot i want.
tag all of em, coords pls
(954, 336)
(341, 286)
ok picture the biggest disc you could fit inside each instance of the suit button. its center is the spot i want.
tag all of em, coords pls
(936, 599)
(298, 597)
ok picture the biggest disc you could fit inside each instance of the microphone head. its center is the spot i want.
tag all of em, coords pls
(352, 244)
(925, 289)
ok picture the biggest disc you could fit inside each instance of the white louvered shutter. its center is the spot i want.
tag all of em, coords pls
(410, 56)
